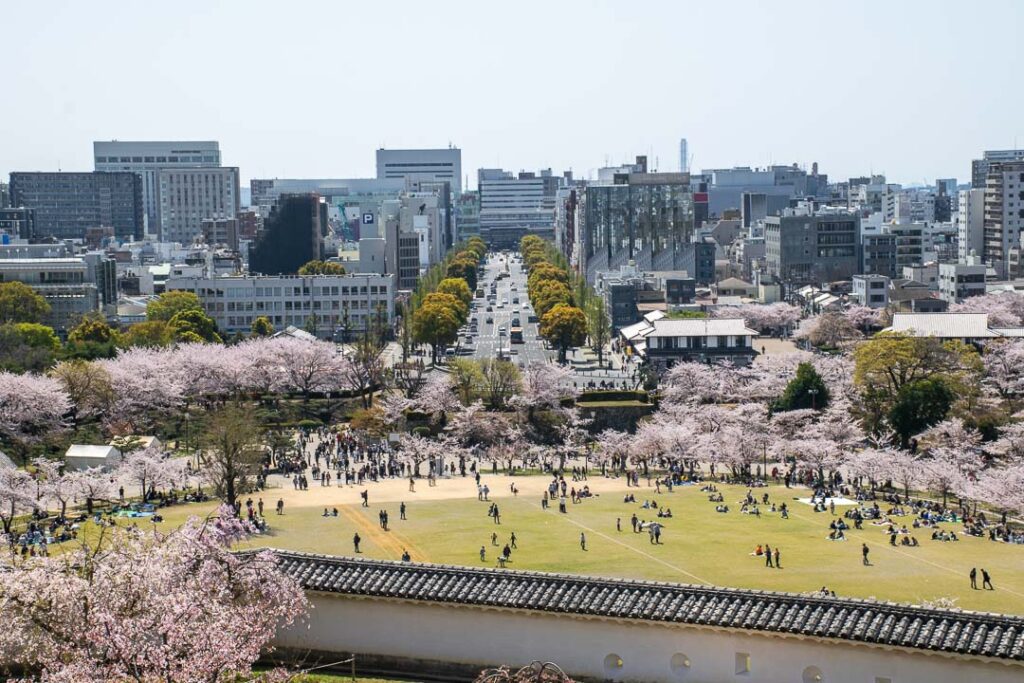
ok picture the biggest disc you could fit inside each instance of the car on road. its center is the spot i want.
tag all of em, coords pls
(515, 322)
(490, 319)
(532, 318)
(515, 300)
(502, 331)
(489, 309)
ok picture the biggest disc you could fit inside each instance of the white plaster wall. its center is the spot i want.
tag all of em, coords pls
(581, 646)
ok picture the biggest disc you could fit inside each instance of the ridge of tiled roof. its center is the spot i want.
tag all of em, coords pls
(954, 632)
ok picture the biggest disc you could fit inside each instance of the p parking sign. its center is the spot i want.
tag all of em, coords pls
(367, 218)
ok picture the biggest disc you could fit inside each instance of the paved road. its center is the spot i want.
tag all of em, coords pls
(490, 338)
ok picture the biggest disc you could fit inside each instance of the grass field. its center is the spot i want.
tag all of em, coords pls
(698, 545)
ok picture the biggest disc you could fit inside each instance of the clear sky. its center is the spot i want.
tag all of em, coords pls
(297, 88)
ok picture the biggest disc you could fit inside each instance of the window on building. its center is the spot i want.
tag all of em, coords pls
(742, 663)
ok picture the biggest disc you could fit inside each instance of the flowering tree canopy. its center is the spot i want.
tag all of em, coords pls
(148, 606)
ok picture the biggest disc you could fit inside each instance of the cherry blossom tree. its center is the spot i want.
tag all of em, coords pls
(144, 383)
(1004, 367)
(863, 318)
(54, 485)
(774, 319)
(1009, 447)
(1004, 309)
(148, 606)
(954, 457)
(542, 385)
(91, 484)
(308, 366)
(151, 469)
(31, 407)
(16, 495)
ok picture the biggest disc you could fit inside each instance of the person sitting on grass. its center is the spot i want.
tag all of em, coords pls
(721, 508)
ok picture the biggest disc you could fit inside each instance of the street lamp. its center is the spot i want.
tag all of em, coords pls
(814, 397)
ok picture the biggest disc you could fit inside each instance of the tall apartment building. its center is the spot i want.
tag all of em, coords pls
(515, 205)
(444, 165)
(68, 204)
(980, 167)
(148, 158)
(970, 223)
(5, 195)
(641, 217)
(333, 303)
(801, 247)
(1004, 213)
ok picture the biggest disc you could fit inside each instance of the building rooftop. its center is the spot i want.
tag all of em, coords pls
(953, 632)
(700, 327)
(944, 325)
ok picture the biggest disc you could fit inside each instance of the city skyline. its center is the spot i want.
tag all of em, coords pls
(746, 85)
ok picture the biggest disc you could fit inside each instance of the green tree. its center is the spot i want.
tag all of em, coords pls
(317, 267)
(460, 309)
(191, 322)
(464, 268)
(169, 304)
(466, 379)
(93, 328)
(19, 303)
(599, 327)
(920, 404)
(151, 333)
(806, 390)
(565, 327)
(261, 327)
(548, 294)
(499, 381)
(435, 324)
(27, 347)
(458, 288)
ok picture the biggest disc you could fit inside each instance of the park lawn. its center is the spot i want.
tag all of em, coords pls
(698, 545)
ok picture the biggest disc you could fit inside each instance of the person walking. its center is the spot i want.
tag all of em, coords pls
(356, 540)
(778, 562)
(483, 554)
(401, 511)
(583, 541)
(280, 506)
(986, 581)
(974, 578)
(618, 523)
(365, 495)
(513, 539)
(497, 515)
(864, 550)
(768, 556)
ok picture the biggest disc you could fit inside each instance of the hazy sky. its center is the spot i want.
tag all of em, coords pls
(295, 88)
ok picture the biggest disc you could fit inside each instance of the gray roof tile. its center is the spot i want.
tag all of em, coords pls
(951, 631)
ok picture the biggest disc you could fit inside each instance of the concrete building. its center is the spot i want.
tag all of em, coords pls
(68, 204)
(64, 282)
(147, 159)
(980, 167)
(264, 192)
(910, 243)
(642, 217)
(871, 290)
(958, 281)
(444, 165)
(335, 303)
(188, 196)
(1004, 213)
(970, 223)
(801, 247)
(467, 215)
(776, 184)
(447, 623)
(19, 223)
(700, 340)
(878, 254)
(220, 231)
(515, 205)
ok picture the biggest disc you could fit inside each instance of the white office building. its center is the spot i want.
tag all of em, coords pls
(958, 281)
(188, 196)
(433, 165)
(334, 302)
(148, 158)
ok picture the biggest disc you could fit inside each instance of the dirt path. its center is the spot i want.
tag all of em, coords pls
(390, 541)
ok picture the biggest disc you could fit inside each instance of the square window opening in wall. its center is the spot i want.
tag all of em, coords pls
(742, 663)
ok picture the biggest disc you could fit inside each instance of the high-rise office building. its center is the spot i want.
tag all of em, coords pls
(806, 247)
(641, 217)
(443, 165)
(684, 157)
(67, 205)
(292, 235)
(515, 205)
(148, 158)
(188, 196)
(1004, 217)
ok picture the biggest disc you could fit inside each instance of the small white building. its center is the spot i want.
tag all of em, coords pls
(871, 290)
(958, 281)
(84, 456)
